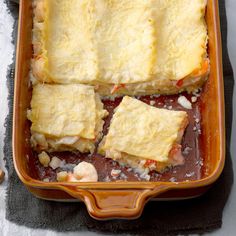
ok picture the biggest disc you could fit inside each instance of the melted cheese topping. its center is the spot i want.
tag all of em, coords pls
(181, 37)
(70, 42)
(144, 131)
(64, 110)
(107, 42)
(125, 40)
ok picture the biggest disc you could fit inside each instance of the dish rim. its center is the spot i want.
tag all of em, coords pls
(154, 187)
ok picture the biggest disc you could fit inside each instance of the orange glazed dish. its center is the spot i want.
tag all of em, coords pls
(112, 105)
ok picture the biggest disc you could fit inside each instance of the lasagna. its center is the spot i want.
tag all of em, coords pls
(145, 137)
(129, 47)
(65, 117)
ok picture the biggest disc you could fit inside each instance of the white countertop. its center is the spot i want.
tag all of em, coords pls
(6, 52)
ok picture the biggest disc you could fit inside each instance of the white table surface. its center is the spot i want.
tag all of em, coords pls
(6, 52)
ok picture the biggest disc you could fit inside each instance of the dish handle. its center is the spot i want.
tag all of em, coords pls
(106, 204)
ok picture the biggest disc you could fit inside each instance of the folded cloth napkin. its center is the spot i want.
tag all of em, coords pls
(159, 218)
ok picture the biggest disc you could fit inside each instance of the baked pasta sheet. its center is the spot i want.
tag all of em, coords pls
(121, 46)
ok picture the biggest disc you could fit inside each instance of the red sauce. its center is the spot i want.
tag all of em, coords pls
(191, 149)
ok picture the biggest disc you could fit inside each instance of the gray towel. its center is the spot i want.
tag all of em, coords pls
(159, 218)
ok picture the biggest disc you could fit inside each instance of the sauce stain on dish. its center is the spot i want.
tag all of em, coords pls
(191, 149)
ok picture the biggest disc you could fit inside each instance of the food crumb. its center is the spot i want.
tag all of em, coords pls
(114, 163)
(152, 102)
(188, 175)
(172, 179)
(46, 180)
(107, 179)
(194, 99)
(197, 92)
(115, 173)
(123, 176)
(184, 102)
(55, 163)
(145, 176)
(199, 162)
(44, 159)
(2, 174)
(187, 150)
(155, 96)
(62, 176)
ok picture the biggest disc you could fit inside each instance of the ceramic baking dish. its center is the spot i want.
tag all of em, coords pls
(122, 199)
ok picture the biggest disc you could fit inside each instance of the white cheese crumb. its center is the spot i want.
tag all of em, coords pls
(194, 128)
(145, 176)
(173, 179)
(169, 107)
(194, 99)
(62, 176)
(156, 175)
(55, 163)
(197, 92)
(197, 120)
(187, 150)
(123, 176)
(46, 180)
(107, 179)
(129, 169)
(29, 112)
(44, 159)
(199, 162)
(152, 103)
(184, 102)
(188, 175)
(115, 173)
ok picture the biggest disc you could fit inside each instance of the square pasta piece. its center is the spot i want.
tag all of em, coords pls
(64, 49)
(181, 41)
(65, 117)
(126, 41)
(144, 137)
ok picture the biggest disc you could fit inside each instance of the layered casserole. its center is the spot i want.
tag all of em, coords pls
(144, 137)
(121, 46)
(65, 117)
(90, 50)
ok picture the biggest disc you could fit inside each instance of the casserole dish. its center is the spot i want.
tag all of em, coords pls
(122, 199)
